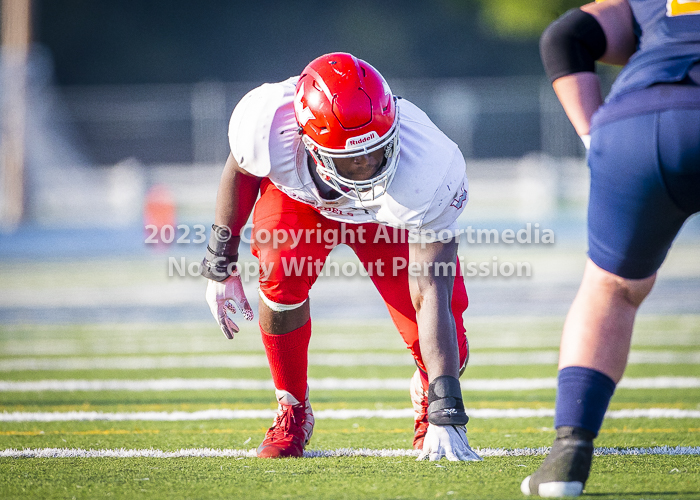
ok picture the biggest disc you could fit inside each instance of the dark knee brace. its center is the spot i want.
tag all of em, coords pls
(445, 405)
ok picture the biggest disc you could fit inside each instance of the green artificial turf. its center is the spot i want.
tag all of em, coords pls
(331, 478)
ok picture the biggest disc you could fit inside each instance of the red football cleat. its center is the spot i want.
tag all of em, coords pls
(291, 430)
(419, 399)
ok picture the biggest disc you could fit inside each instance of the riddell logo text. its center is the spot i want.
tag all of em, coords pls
(357, 141)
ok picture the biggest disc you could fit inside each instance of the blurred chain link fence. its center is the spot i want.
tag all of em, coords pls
(92, 152)
(157, 124)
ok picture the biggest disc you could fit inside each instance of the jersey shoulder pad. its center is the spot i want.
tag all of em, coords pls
(430, 181)
(449, 201)
(260, 124)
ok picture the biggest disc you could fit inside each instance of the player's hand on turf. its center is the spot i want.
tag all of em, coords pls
(449, 441)
(223, 298)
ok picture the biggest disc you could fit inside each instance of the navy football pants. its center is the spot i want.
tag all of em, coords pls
(645, 182)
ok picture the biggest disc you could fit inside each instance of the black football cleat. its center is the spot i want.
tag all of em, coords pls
(565, 470)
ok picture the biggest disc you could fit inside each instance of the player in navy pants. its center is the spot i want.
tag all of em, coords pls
(645, 182)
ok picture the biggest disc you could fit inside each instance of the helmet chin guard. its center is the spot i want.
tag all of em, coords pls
(345, 109)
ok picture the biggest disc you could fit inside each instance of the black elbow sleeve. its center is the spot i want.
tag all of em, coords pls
(572, 44)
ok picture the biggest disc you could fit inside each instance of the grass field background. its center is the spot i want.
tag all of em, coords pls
(115, 382)
(372, 352)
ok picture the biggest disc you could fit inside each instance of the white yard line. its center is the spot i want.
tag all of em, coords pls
(549, 357)
(345, 414)
(341, 452)
(331, 384)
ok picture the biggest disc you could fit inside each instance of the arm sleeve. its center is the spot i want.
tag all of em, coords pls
(572, 44)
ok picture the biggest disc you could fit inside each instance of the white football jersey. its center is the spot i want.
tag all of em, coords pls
(429, 189)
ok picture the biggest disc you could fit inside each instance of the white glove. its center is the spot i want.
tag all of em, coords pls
(221, 297)
(448, 441)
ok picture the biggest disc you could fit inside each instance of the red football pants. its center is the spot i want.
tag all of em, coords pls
(286, 276)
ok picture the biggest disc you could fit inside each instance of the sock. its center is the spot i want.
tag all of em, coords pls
(583, 396)
(289, 359)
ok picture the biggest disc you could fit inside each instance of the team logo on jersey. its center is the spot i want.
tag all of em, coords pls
(361, 139)
(304, 114)
(682, 7)
(461, 197)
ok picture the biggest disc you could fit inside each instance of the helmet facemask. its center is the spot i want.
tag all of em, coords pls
(366, 190)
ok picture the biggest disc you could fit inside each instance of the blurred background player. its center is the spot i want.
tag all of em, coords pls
(334, 152)
(645, 182)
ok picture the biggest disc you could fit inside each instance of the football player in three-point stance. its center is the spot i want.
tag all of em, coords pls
(645, 182)
(333, 151)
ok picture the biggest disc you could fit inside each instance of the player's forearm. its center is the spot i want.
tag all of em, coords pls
(431, 293)
(580, 96)
(234, 202)
(436, 331)
(236, 197)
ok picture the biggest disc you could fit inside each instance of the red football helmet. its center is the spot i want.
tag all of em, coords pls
(345, 108)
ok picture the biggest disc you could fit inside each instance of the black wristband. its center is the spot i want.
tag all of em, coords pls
(445, 405)
(222, 254)
(572, 44)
